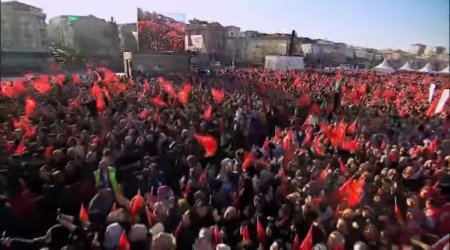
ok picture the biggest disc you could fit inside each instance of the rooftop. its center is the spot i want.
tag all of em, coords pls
(19, 6)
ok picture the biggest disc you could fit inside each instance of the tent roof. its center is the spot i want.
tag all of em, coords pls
(426, 69)
(384, 67)
(406, 67)
(446, 70)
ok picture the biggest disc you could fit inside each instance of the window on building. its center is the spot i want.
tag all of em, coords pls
(43, 34)
(27, 34)
(6, 43)
(107, 33)
(23, 19)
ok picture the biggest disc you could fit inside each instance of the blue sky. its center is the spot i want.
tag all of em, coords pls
(369, 23)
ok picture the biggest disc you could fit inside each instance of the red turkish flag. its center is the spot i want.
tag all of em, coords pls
(146, 86)
(307, 243)
(157, 101)
(120, 87)
(433, 146)
(265, 145)
(304, 101)
(42, 84)
(96, 91)
(183, 97)
(218, 95)
(29, 131)
(342, 191)
(187, 189)
(208, 113)
(124, 244)
(83, 216)
(248, 161)
(168, 87)
(324, 174)
(136, 203)
(187, 87)
(350, 145)
(143, 115)
(317, 148)
(106, 93)
(74, 104)
(245, 234)
(209, 143)
(355, 192)
(76, 79)
(48, 152)
(430, 112)
(151, 217)
(10, 147)
(30, 106)
(24, 124)
(100, 104)
(261, 232)
(216, 235)
(352, 128)
(278, 133)
(296, 244)
(8, 90)
(203, 177)
(397, 213)
(315, 109)
(308, 137)
(342, 166)
(19, 86)
(21, 148)
(59, 79)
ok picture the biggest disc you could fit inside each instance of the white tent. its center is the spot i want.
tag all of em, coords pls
(426, 69)
(384, 67)
(406, 67)
(446, 70)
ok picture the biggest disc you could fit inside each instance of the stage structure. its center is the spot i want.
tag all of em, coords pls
(161, 48)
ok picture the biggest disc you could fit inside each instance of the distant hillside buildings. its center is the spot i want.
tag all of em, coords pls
(25, 40)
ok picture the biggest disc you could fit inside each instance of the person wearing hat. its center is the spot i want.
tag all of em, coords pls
(200, 216)
(336, 240)
(164, 241)
(231, 226)
(222, 247)
(278, 245)
(138, 236)
(203, 242)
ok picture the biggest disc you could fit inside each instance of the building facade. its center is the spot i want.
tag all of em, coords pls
(212, 36)
(24, 41)
(257, 47)
(434, 50)
(85, 36)
(23, 28)
(417, 49)
(233, 31)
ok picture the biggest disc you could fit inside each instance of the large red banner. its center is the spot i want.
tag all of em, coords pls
(159, 33)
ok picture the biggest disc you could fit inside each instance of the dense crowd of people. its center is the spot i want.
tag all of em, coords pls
(235, 159)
